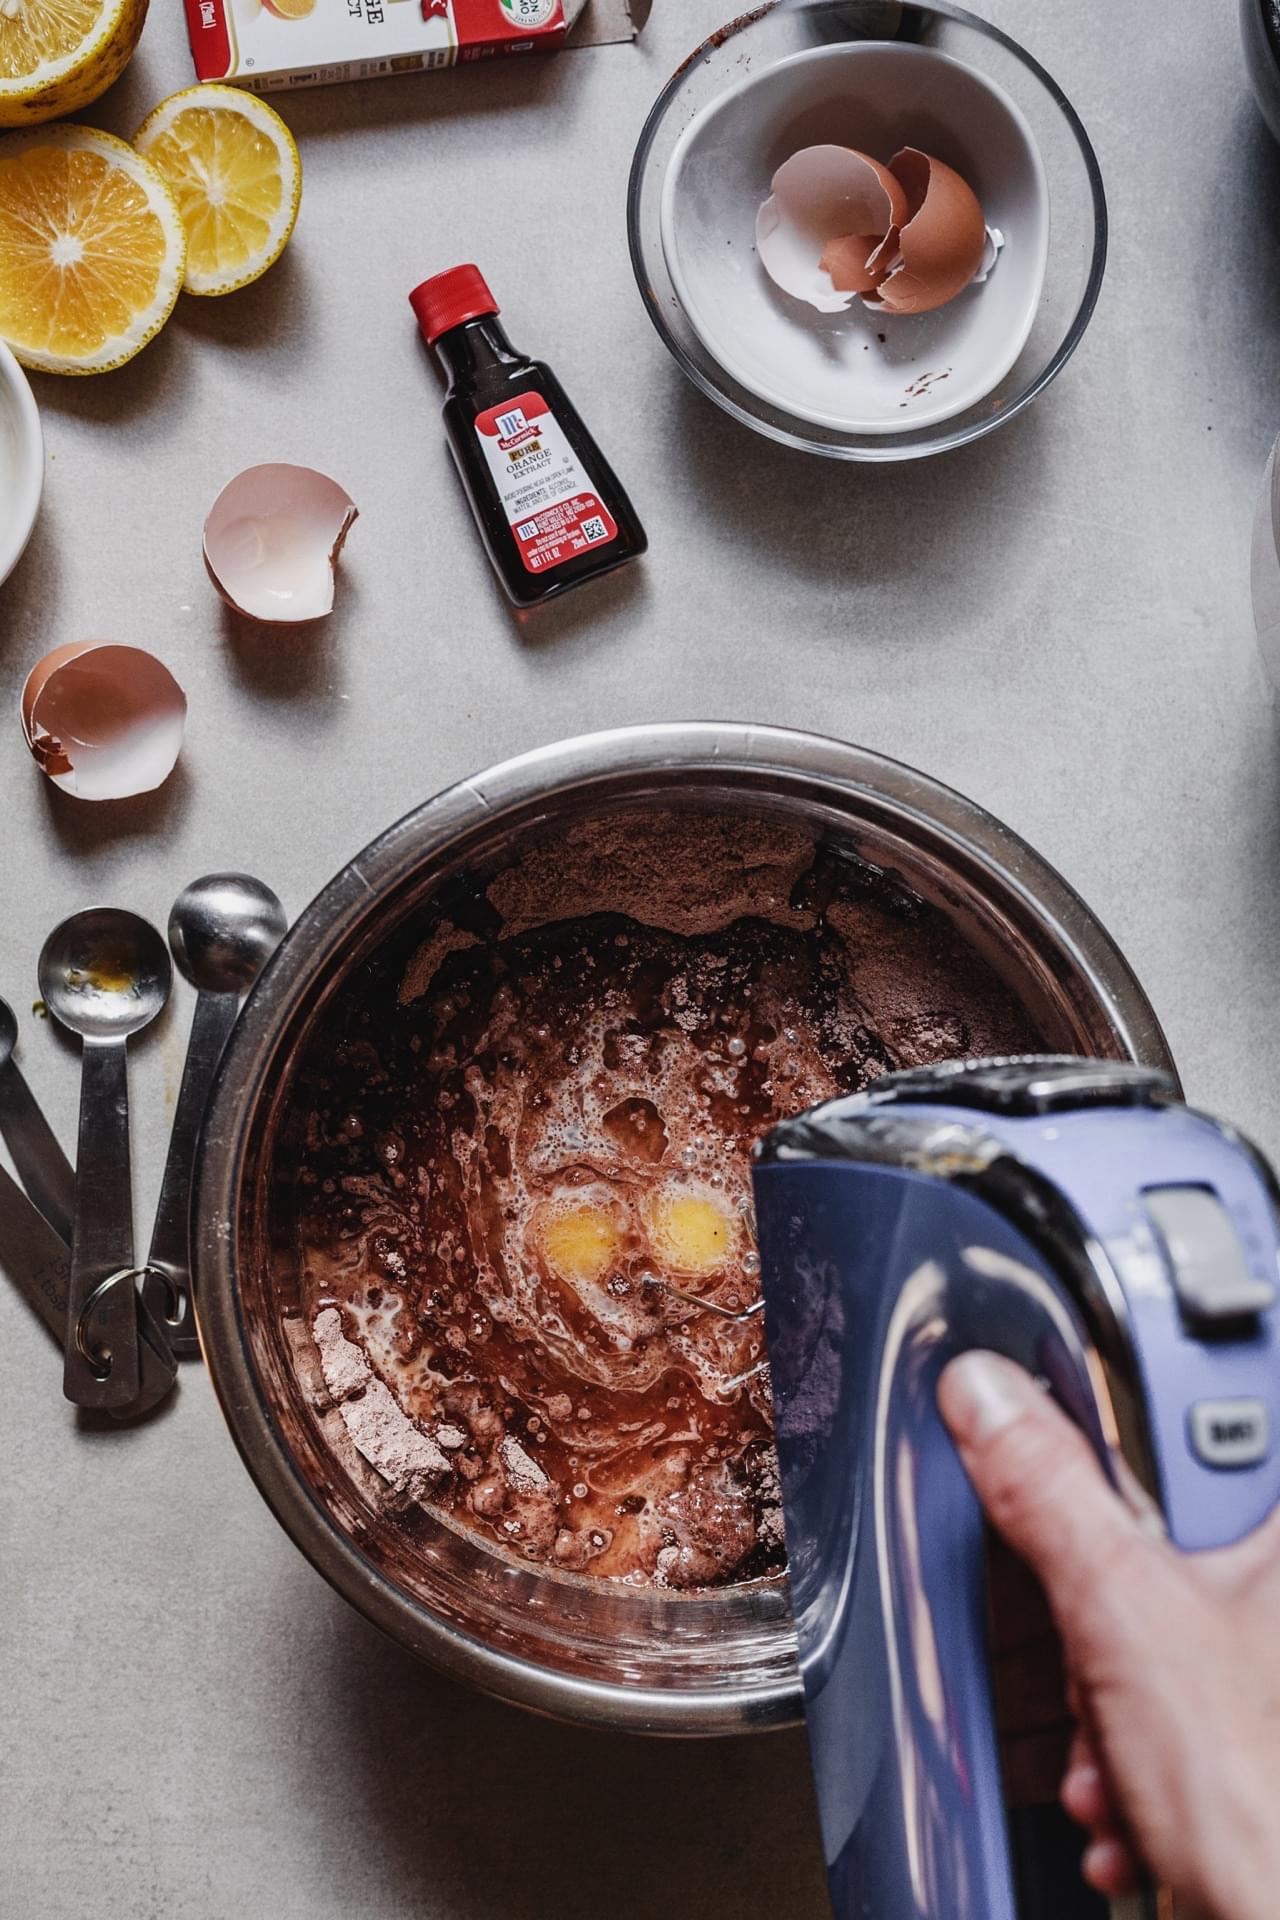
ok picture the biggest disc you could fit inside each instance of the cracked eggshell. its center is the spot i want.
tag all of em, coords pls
(104, 722)
(272, 540)
(939, 247)
(848, 261)
(819, 196)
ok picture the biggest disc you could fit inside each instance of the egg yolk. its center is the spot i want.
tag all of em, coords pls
(691, 1234)
(579, 1243)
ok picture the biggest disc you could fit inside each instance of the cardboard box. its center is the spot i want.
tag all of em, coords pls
(268, 45)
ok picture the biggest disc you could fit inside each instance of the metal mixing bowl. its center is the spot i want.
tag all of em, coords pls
(646, 1660)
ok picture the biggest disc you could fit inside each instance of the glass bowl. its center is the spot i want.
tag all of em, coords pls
(738, 56)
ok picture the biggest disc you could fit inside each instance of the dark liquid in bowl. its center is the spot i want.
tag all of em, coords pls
(508, 1142)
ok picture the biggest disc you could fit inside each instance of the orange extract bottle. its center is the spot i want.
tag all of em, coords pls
(551, 510)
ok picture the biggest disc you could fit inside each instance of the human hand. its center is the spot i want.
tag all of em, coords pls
(1173, 1659)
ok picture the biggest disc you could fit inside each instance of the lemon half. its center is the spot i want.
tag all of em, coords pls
(58, 55)
(92, 249)
(235, 172)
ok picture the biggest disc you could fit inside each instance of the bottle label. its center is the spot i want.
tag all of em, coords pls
(551, 506)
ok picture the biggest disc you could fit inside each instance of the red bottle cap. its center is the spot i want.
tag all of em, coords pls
(447, 299)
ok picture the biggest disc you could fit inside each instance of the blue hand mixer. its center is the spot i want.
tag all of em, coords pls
(1077, 1217)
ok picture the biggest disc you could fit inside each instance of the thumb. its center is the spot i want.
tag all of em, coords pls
(1043, 1489)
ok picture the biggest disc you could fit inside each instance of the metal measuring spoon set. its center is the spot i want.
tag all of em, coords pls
(66, 1238)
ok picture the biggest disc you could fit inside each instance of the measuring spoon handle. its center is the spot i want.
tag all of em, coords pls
(43, 1167)
(102, 1239)
(167, 1285)
(34, 1257)
(38, 1262)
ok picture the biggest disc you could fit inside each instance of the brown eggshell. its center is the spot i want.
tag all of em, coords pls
(819, 195)
(847, 259)
(104, 722)
(47, 752)
(940, 243)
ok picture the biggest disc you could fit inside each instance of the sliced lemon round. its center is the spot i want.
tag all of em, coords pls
(58, 55)
(237, 178)
(92, 249)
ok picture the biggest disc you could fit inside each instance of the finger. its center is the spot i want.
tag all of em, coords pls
(1084, 1759)
(1085, 1751)
(1110, 1867)
(1086, 1797)
(1042, 1488)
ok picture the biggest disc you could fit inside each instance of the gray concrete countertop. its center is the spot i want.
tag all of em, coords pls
(1056, 621)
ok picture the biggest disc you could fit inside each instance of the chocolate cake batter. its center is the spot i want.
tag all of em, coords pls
(523, 1119)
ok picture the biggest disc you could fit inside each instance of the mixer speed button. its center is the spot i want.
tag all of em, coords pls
(1210, 1270)
(1230, 1433)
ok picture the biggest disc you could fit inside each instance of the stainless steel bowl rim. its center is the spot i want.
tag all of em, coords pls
(599, 767)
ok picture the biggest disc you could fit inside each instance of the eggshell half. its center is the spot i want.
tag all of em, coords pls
(103, 722)
(938, 248)
(820, 195)
(272, 540)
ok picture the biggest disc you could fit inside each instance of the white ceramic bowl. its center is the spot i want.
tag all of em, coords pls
(21, 461)
(833, 369)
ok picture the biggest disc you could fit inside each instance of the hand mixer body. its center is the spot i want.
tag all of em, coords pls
(1123, 1249)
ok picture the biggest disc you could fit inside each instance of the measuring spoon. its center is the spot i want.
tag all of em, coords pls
(223, 929)
(38, 1262)
(104, 974)
(42, 1166)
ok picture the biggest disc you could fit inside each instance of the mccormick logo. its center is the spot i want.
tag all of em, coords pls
(513, 428)
(208, 14)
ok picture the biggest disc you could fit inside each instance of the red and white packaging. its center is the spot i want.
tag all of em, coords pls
(269, 45)
(549, 499)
